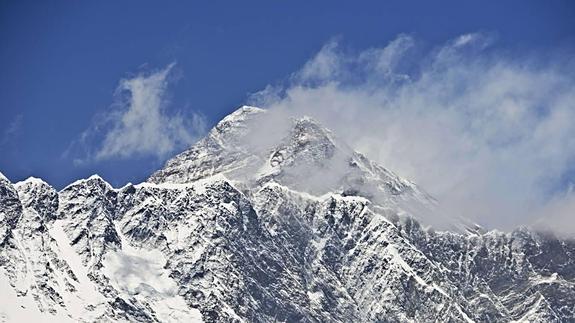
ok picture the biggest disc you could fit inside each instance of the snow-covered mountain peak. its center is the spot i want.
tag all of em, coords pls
(230, 131)
(94, 179)
(253, 145)
(37, 195)
(31, 181)
(240, 115)
(266, 219)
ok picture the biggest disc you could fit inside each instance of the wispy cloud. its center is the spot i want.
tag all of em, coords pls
(138, 123)
(12, 130)
(492, 136)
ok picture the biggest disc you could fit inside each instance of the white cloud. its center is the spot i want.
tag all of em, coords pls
(324, 66)
(491, 136)
(385, 60)
(138, 123)
(560, 211)
(13, 129)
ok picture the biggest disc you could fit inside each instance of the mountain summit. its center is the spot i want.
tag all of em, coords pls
(266, 220)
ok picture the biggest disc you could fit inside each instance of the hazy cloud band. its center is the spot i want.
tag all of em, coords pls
(491, 136)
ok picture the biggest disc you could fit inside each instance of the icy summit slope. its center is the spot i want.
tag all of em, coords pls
(261, 224)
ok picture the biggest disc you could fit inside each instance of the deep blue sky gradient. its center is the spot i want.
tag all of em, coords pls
(61, 61)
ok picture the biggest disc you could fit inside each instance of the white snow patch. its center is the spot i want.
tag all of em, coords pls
(465, 317)
(83, 180)
(547, 280)
(140, 273)
(441, 290)
(87, 292)
(396, 257)
(199, 186)
(315, 297)
(31, 180)
(177, 235)
(304, 195)
(22, 309)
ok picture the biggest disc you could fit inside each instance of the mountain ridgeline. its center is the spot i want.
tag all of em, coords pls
(260, 223)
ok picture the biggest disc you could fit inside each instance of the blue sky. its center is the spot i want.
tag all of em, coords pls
(61, 62)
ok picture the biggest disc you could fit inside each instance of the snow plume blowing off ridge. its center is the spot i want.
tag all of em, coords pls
(492, 137)
(138, 123)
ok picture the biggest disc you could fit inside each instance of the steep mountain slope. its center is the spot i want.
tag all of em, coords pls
(266, 221)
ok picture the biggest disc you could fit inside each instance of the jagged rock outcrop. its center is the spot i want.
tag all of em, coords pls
(262, 224)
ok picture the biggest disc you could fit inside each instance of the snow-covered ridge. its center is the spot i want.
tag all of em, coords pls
(296, 227)
(31, 181)
(92, 178)
(2, 177)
